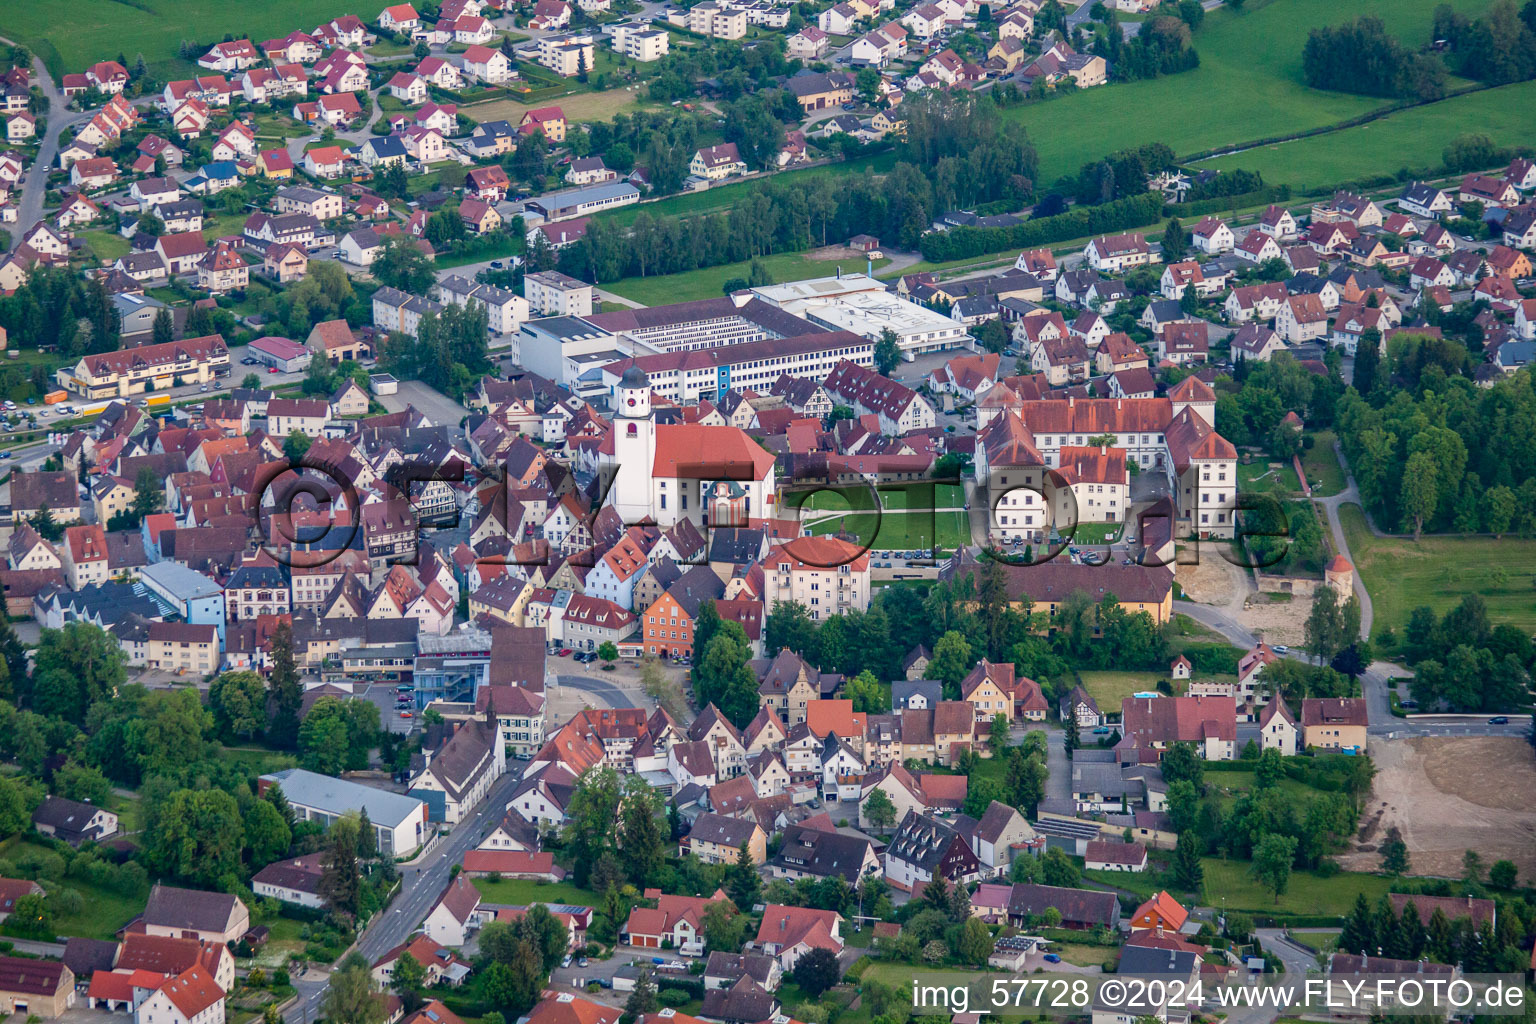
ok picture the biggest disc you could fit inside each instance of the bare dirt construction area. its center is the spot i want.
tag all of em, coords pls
(1217, 582)
(1448, 795)
(834, 252)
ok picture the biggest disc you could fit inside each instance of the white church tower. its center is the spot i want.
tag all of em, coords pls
(634, 447)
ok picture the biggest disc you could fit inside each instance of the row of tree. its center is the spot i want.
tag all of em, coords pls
(1360, 57)
(1465, 662)
(1422, 457)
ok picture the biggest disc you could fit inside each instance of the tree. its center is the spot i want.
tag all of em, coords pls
(1359, 932)
(1421, 494)
(251, 382)
(267, 835)
(164, 327)
(350, 997)
(341, 879)
(1180, 761)
(1503, 874)
(1367, 361)
(608, 651)
(197, 838)
(75, 667)
(1175, 241)
(33, 915)
(402, 265)
(283, 686)
(238, 701)
(409, 981)
(741, 881)
(887, 351)
(1272, 859)
(879, 810)
(952, 660)
(816, 971)
(868, 696)
(642, 842)
(975, 942)
(1472, 867)
(642, 1000)
(1394, 853)
(1188, 872)
(591, 816)
(296, 444)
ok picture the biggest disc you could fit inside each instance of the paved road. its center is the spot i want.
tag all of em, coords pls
(420, 887)
(1330, 508)
(30, 209)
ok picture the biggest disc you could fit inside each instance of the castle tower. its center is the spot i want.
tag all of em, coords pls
(634, 447)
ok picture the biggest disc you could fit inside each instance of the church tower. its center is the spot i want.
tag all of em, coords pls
(634, 447)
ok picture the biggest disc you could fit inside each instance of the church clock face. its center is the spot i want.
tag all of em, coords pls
(631, 401)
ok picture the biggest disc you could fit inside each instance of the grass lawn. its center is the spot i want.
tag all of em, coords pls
(70, 35)
(1096, 533)
(1411, 138)
(390, 48)
(725, 196)
(582, 106)
(103, 911)
(709, 282)
(1252, 61)
(522, 891)
(894, 498)
(1109, 688)
(1439, 571)
(218, 225)
(1228, 885)
(283, 941)
(107, 245)
(1321, 465)
(1322, 941)
(1086, 956)
(903, 531)
(1260, 477)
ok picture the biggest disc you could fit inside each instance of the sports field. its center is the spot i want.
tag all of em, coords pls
(1249, 86)
(1412, 138)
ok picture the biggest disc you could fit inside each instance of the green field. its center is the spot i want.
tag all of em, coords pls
(71, 35)
(1401, 575)
(893, 497)
(724, 196)
(1110, 688)
(1228, 885)
(523, 891)
(1321, 464)
(1262, 477)
(902, 531)
(1411, 138)
(1249, 86)
(107, 245)
(103, 911)
(708, 282)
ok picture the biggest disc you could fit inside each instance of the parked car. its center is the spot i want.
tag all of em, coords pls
(1052, 958)
(1499, 720)
(406, 714)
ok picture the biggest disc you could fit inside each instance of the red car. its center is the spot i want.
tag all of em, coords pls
(565, 652)
(273, 369)
(406, 714)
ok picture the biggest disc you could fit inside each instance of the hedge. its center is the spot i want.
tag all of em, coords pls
(1217, 204)
(1078, 222)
